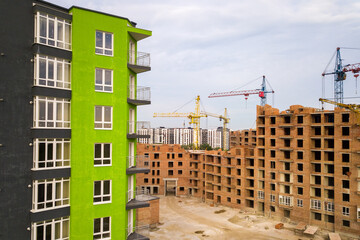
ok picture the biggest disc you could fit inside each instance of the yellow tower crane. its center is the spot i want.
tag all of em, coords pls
(195, 119)
(352, 107)
(226, 120)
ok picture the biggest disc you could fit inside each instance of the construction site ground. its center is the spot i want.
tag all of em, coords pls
(188, 218)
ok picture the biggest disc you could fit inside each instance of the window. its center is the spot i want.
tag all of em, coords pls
(316, 216)
(103, 117)
(52, 72)
(272, 164)
(315, 204)
(179, 172)
(300, 178)
(285, 200)
(300, 119)
(329, 206)
(104, 43)
(51, 153)
(261, 194)
(103, 80)
(300, 166)
(346, 211)
(300, 190)
(345, 131)
(272, 198)
(300, 143)
(51, 193)
(51, 112)
(345, 117)
(58, 228)
(53, 31)
(346, 223)
(346, 184)
(300, 131)
(102, 191)
(102, 154)
(102, 228)
(299, 202)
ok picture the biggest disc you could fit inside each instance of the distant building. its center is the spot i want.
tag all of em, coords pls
(183, 136)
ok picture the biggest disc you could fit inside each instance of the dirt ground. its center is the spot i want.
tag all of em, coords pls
(188, 218)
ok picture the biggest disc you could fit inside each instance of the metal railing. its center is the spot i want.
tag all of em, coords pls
(140, 194)
(138, 161)
(135, 126)
(139, 232)
(140, 93)
(139, 58)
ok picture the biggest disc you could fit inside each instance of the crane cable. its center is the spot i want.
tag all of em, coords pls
(183, 105)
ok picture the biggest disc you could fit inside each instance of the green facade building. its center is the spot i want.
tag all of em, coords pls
(68, 101)
(104, 101)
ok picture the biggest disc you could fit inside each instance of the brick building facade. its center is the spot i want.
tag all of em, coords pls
(302, 164)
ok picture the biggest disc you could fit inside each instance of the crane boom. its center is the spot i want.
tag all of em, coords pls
(195, 119)
(352, 107)
(261, 92)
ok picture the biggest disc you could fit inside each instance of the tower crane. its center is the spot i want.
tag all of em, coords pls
(226, 120)
(340, 75)
(262, 92)
(352, 107)
(195, 119)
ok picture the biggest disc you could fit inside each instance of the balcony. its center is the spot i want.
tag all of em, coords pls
(141, 165)
(140, 96)
(138, 199)
(138, 233)
(139, 62)
(138, 129)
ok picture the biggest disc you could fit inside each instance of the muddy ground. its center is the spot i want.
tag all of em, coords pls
(188, 218)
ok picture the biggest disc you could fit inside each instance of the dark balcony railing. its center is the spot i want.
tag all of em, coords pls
(138, 232)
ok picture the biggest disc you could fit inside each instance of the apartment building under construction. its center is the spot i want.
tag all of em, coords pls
(302, 164)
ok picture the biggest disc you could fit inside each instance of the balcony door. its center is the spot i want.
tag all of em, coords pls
(131, 52)
(131, 194)
(131, 154)
(130, 221)
(131, 120)
(132, 87)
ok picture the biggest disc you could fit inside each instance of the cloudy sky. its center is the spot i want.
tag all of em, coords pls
(204, 46)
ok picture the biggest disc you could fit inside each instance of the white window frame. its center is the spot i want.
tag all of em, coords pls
(329, 206)
(103, 50)
(102, 234)
(102, 197)
(51, 119)
(286, 200)
(272, 198)
(358, 212)
(300, 202)
(59, 39)
(315, 204)
(58, 67)
(103, 87)
(60, 228)
(60, 194)
(58, 159)
(102, 160)
(261, 195)
(102, 124)
(346, 211)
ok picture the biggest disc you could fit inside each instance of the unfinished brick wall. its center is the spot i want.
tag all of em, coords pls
(302, 163)
(149, 215)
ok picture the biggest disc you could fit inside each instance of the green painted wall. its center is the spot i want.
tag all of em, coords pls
(84, 99)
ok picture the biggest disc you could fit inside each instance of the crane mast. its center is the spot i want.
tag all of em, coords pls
(226, 120)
